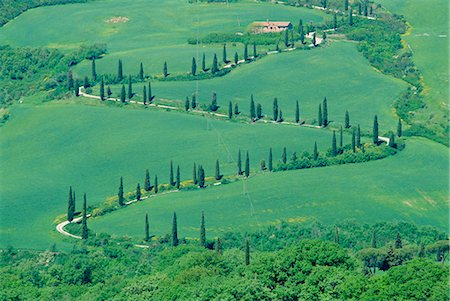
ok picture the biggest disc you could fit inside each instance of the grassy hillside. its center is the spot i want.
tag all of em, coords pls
(47, 148)
(412, 186)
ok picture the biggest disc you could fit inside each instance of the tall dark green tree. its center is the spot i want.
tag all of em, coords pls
(375, 129)
(324, 36)
(302, 34)
(224, 54)
(236, 109)
(230, 110)
(204, 63)
(70, 206)
(247, 251)
(341, 137)
(147, 229)
(201, 176)
(130, 88)
(147, 185)
(186, 104)
(141, 72)
(144, 95)
(350, 17)
(398, 241)
(247, 165)
(270, 160)
(150, 95)
(77, 88)
(165, 70)
(320, 116)
(275, 109)
(122, 94)
(215, 65)
(347, 120)
(178, 178)
(236, 58)
(346, 5)
(334, 21)
(315, 152)
(255, 53)
(171, 176)
(286, 38)
(359, 8)
(194, 174)
(120, 71)
(86, 83)
(246, 52)
(353, 140)
(333, 145)
(194, 101)
(138, 192)
(84, 228)
(392, 140)
(70, 81)
(156, 188)
(203, 231)
(300, 26)
(284, 156)
(297, 112)
(120, 193)
(366, 8)
(108, 91)
(94, 71)
(358, 137)
(292, 39)
(259, 113)
(102, 90)
(213, 107)
(194, 67)
(218, 176)
(252, 109)
(399, 128)
(314, 40)
(239, 163)
(325, 112)
(174, 230)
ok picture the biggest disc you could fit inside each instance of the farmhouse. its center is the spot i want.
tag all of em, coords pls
(270, 26)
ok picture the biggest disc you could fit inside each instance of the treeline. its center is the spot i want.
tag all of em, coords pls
(9, 9)
(287, 262)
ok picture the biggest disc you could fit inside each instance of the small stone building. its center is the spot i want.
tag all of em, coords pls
(270, 26)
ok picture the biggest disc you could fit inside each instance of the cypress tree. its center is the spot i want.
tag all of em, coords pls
(247, 165)
(165, 70)
(214, 107)
(236, 58)
(94, 71)
(341, 137)
(333, 145)
(336, 234)
(320, 115)
(147, 229)
(204, 63)
(255, 54)
(215, 65)
(70, 81)
(421, 250)
(399, 128)
(150, 95)
(219, 247)
(297, 113)
(130, 88)
(374, 240)
(252, 109)
(171, 177)
(186, 104)
(230, 110)
(156, 184)
(194, 67)
(102, 90)
(359, 8)
(178, 181)
(286, 38)
(239, 163)
(300, 26)
(353, 141)
(313, 40)
(236, 109)
(347, 120)
(120, 71)
(315, 153)
(275, 109)
(263, 165)
(120, 193)
(246, 52)
(284, 155)
(247, 252)
(392, 140)
(375, 129)
(147, 185)
(224, 54)
(144, 95)
(325, 112)
(398, 241)
(324, 36)
(77, 88)
(270, 160)
(350, 17)
(84, 228)
(86, 83)
(194, 101)
(218, 176)
(141, 72)
(122, 94)
(346, 5)
(108, 91)
(366, 12)
(70, 206)
(302, 35)
(174, 230)
(358, 137)
(324, 3)
(138, 192)
(259, 114)
(334, 21)
(201, 176)
(203, 231)
(292, 39)
(194, 174)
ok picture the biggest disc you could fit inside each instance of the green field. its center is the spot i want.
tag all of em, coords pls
(406, 187)
(49, 147)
